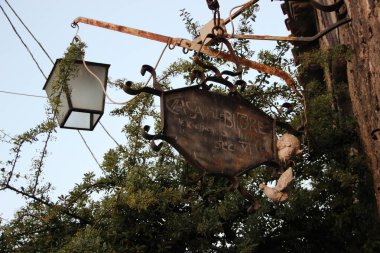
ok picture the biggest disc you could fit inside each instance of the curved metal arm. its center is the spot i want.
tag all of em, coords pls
(152, 71)
(211, 67)
(200, 75)
(239, 69)
(221, 81)
(152, 138)
(193, 46)
(156, 90)
(129, 90)
(292, 38)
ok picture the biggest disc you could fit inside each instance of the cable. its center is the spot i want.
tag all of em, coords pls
(43, 49)
(231, 21)
(35, 61)
(88, 147)
(6, 135)
(22, 41)
(21, 94)
(108, 133)
(158, 62)
(100, 81)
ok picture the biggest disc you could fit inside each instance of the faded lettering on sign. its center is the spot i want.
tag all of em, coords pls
(220, 134)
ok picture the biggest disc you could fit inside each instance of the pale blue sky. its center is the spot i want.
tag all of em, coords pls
(50, 21)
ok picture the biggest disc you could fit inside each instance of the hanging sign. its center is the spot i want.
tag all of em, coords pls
(217, 133)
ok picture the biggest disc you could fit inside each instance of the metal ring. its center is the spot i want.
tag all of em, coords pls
(215, 30)
(171, 46)
(74, 25)
(216, 18)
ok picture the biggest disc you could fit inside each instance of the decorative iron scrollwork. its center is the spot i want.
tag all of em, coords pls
(156, 90)
(219, 134)
(152, 138)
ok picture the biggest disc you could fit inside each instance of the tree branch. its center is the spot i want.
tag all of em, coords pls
(49, 204)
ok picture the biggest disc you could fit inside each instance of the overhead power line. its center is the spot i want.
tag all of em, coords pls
(35, 39)
(35, 61)
(21, 94)
(22, 41)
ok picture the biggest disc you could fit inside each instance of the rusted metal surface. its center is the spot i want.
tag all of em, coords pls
(124, 29)
(193, 46)
(220, 134)
(293, 38)
(217, 133)
(239, 11)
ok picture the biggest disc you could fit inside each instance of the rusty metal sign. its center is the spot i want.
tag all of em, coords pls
(217, 133)
(220, 134)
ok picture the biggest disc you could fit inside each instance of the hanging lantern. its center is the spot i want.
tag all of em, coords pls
(79, 104)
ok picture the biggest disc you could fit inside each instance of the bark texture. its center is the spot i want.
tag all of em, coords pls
(363, 75)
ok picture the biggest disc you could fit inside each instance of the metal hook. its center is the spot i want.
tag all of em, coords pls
(129, 90)
(211, 67)
(223, 81)
(239, 69)
(197, 74)
(200, 76)
(152, 138)
(152, 71)
(75, 25)
(242, 84)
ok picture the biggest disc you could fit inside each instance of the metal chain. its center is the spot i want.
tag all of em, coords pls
(213, 4)
(217, 30)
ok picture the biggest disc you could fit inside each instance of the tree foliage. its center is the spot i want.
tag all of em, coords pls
(148, 201)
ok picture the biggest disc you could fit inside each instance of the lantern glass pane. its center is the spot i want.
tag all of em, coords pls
(83, 104)
(63, 107)
(79, 120)
(86, 92)
(95, 118)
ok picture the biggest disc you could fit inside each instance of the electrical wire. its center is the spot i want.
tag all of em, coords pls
(21, 94)
(22, 41)
(231, 21)
(158, 61)
(46, 53)
(35, 39)
(37, 96)
(89, 149)
(35, 61)
(101, 83)
(105, 130)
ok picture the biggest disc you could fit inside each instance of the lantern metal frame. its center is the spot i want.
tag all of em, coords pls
(73, 109)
